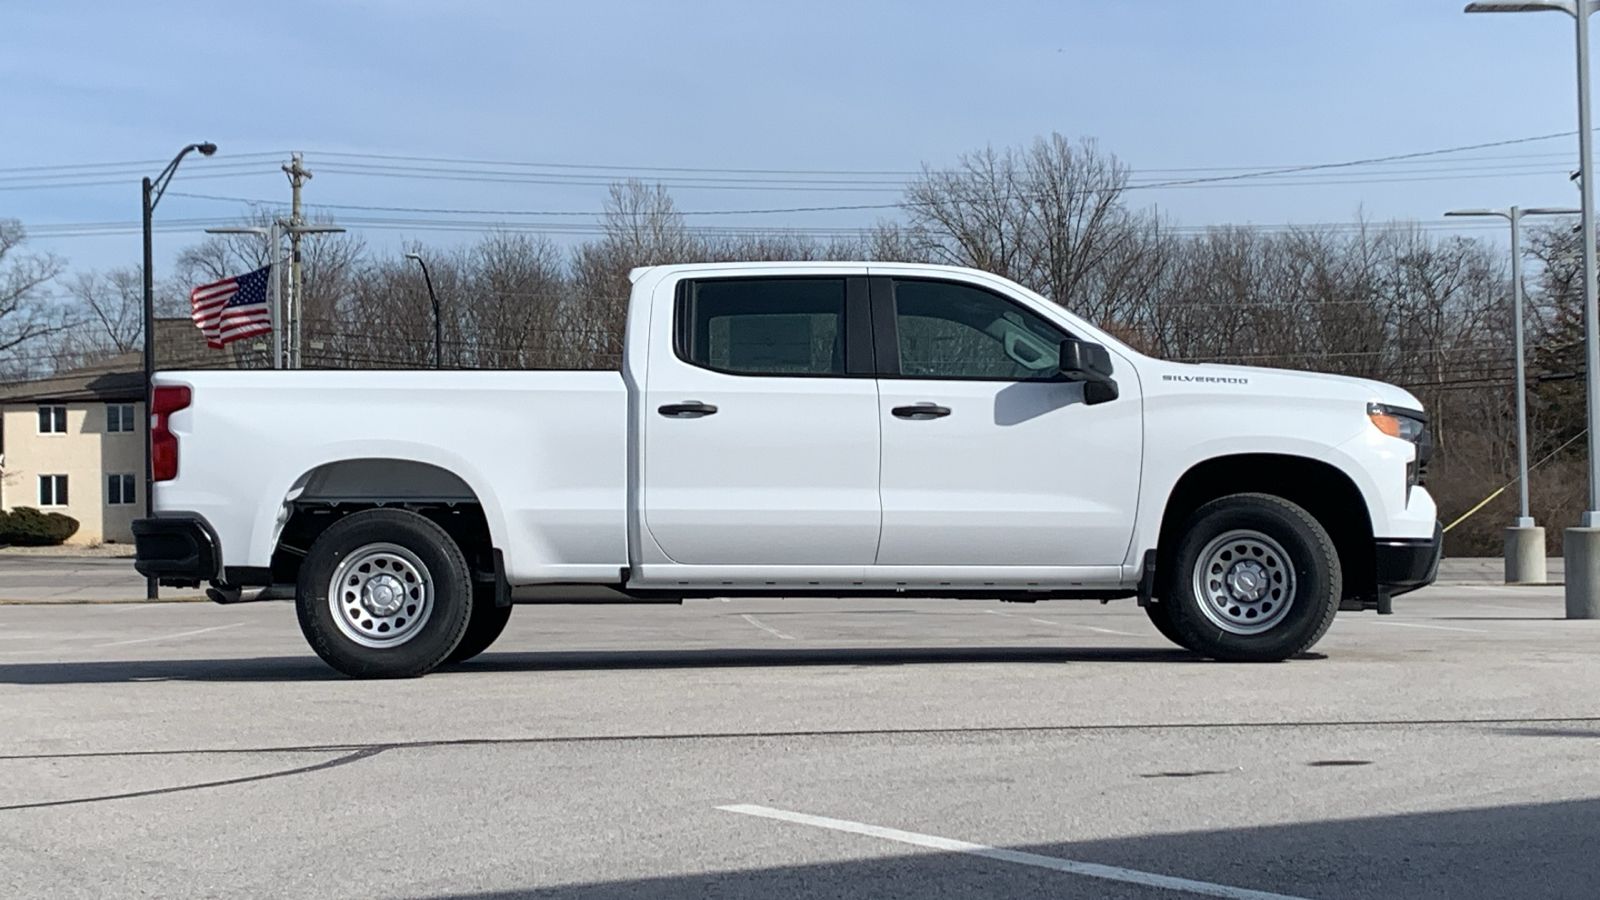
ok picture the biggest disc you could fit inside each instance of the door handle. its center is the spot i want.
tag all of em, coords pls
(694, 409)
(921, 411)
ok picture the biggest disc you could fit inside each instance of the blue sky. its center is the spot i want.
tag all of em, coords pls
(1164, 84)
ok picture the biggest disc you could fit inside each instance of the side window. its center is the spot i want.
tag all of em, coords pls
(949, 330)
(119, 417)
(52, 420)
(764, 326)
(119, 489)
(52, 490)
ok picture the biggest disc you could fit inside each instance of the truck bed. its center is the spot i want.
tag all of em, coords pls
(544, 452)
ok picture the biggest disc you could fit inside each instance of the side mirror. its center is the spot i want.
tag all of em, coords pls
(1090, 364)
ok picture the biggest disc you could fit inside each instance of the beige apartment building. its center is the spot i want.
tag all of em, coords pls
(74, 444)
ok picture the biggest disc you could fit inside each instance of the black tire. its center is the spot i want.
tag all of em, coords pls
(1270, 583)
(1161, 617)
(483, 628)
(402, 553)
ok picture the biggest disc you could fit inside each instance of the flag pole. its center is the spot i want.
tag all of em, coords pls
(274, 240)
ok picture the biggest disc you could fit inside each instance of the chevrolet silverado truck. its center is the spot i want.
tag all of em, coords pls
(793, 429)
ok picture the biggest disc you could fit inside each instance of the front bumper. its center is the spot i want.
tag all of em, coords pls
(178, 550)
(1405, 564)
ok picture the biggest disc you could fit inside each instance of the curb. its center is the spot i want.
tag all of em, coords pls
(11, 601)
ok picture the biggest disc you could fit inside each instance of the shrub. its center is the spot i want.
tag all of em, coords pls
(28, 527)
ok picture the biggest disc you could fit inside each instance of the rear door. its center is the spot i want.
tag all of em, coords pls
(761, 432)
(989, 459)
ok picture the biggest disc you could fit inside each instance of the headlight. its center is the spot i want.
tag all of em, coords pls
(1408, 425)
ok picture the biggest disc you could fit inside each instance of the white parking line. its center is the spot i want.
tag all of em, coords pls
(1420, 625)
(168, 637)
(1061, 624)
(1090, 870)
(1084, 627)
(765, 627)
(1530, 613)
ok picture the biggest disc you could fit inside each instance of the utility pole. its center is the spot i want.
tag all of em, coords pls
(298, 176)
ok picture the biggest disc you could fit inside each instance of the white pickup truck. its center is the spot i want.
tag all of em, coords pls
(828, 429)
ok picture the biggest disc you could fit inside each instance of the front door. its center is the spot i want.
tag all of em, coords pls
(989, 459)
(761, 425)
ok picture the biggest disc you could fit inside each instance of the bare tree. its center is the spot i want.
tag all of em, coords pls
(26, 314)
(1050, 217)
(642, 228)
(111, 305)
(515, 308)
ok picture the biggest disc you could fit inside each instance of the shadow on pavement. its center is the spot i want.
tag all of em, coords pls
(309, 668)
(1542, 850)
(266, 668)
(716, 658)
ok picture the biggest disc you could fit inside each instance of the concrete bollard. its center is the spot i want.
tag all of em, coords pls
(1525, 555)
(1581, 547)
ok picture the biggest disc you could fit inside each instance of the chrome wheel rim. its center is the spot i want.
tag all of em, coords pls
(381, 595)
(1244, 582)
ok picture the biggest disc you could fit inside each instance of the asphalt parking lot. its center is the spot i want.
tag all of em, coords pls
(792, 748)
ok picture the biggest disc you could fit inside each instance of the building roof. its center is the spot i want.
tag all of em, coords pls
(120, 379)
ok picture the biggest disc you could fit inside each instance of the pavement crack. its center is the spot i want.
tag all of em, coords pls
(348, 758)
(358, 751)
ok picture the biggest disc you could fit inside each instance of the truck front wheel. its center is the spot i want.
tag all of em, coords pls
(384, 593)
(1255, 579)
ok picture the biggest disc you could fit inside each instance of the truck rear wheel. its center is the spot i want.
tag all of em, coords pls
(384, 593)
(483, 628)
(1161, 617)
(1255, 579)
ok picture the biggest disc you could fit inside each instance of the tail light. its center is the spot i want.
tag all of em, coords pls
(163, 443)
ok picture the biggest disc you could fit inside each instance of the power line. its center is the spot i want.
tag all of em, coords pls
(521, 212)
(1369, 161)
(62, 230)
(139, 164)
(703, 170)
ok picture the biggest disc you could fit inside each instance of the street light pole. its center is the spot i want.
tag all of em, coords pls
(1524, 544)
(1580, 546)
(151, 190)
(438, 329)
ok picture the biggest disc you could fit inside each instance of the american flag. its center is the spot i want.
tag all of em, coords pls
(233, 308)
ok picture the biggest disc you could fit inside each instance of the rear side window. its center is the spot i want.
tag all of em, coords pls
(764, 326)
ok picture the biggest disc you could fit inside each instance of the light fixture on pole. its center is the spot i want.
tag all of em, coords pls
(1524, 546)
(1580, 546)
(438, 329)
(152, 189)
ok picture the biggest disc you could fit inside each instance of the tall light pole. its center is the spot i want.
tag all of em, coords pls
(438, 329)
(1525, 562)
(153, 188)
(1580, 546)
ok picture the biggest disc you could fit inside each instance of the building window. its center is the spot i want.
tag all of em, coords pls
(119, 490)
(52, 420)
(119, 416)
(52, 490)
